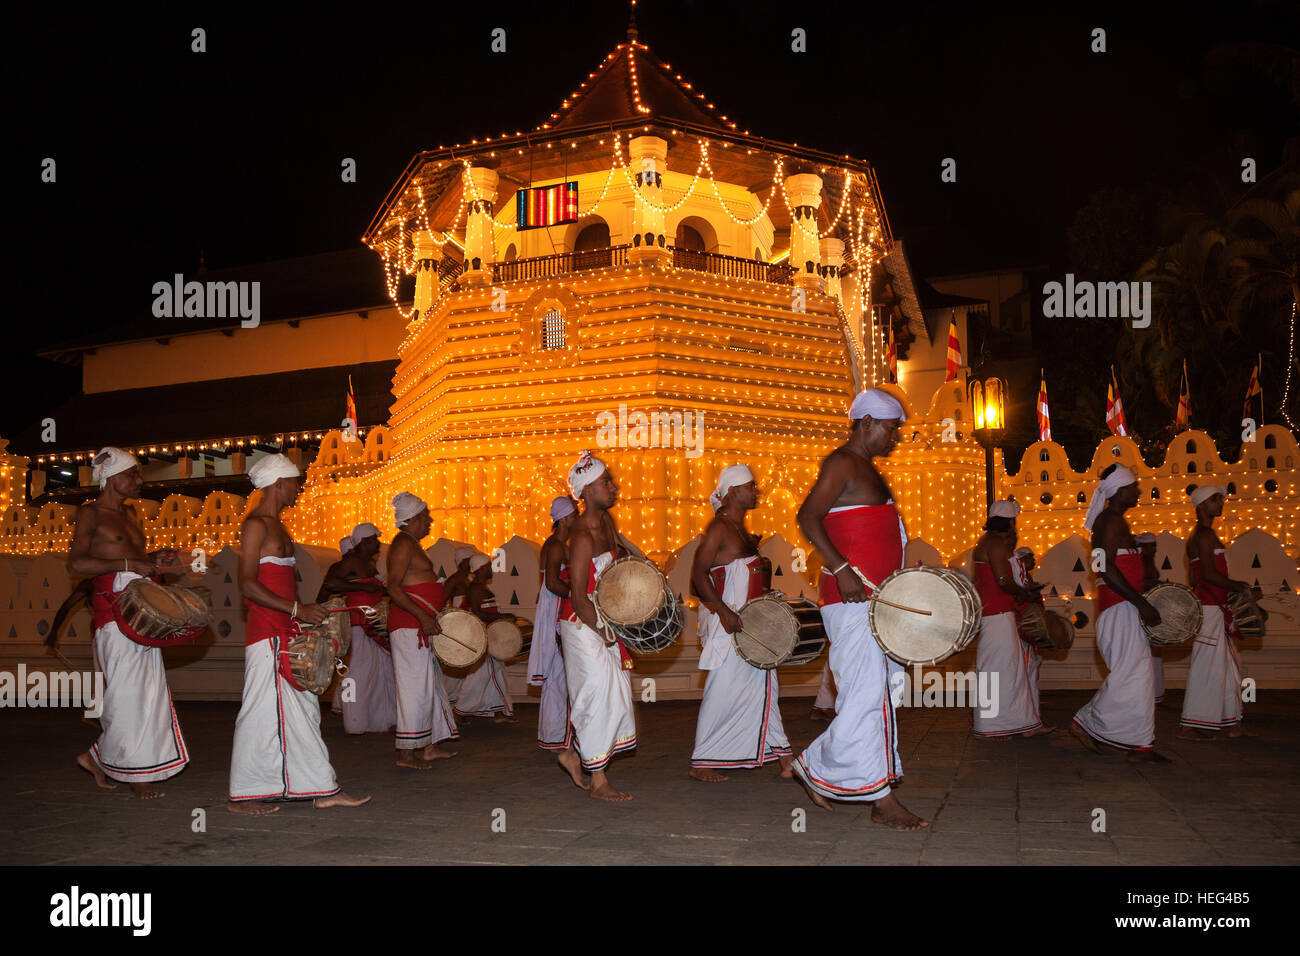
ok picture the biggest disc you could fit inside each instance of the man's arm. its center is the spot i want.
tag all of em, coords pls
(476, 597)
(580, 546)
(830, 484)
(999, 563)
(705, 555)
(628, 546)
(555, 558)
(1108, 541)
(342, 577)
(252, 536)
(1205, 552)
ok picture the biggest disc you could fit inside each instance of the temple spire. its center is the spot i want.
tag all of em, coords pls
(631, 23)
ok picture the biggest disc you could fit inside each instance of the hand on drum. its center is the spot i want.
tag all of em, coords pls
(852, 590)
(1150, 616)
(311, 613)
(145, 568)
(730, 620)
(428, 623)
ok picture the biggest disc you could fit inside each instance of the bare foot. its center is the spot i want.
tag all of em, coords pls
(1240, 730)
(814, 796)
(434, 752)
(251, 807)
(1001, 739)
(409, 760)
(572, 765)
(891, 813)
(505, 719)
(1146, 756)
(87, 763)
(146, 791)
(822, 715)
(1081, 735)
(340, 799)
(1039, 731)
(707, 775)
(601, 790)
(787, 765)
(1194, 733)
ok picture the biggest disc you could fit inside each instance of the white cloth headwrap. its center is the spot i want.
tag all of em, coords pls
(363, 531)
(561, 507)
(586, 470)
(1205, 492)
(271, 469)
(1146, 537)
(478, 561)
(731, 476)
(346, 544)
(1004, 509)
(1121, 477)
(116, 462)
(877, 403)
(1023, 553)
(406, 506)
(464, 554)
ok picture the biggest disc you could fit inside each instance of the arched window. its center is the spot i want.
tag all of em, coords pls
(688, 237)
(1191, 467)
(553, 329)
(1191, 447)
(511, 253)
(1155, 494)
(1081, 498)
(1270, 441)
(1044, 455)
(595, 236)
(758, 254)
(1268, 462)
(1043, 477)
(1232, 487)
(1114, 450)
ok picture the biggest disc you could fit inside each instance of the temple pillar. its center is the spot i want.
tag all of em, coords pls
(804, 191)
(428, 255)
(480, 245)
(832, 258)
(648, 161)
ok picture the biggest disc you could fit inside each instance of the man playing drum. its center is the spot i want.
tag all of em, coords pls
(455, 587)
(370, 704)
(483, 691)
(1213, 698)
(1022, 568)
(595, 665)
(740, 716)
(141, 741)
(1001, 649)
(278, 752)
(850, 518)
(1147, 543)
(424, 715)
(1123, 711)
(545, 661)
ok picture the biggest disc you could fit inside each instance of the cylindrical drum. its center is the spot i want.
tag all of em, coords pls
(1247, 616)
(910, 637)
(509, 638)
(1180, 613)
(778, 631)
(463, 640)
(634, 599)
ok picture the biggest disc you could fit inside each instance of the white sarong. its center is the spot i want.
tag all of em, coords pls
(1213, 696)
(374, 708)
(1157, 675)
(856, 757)
(483, 691)
(740, 716)
(826, 692)
(600, 696)
(1001, 651)
(278, 752)
(1123, 711)
(546, 667)
(141, 740)
(423, 714)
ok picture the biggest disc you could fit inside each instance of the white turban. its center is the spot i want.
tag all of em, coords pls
(877, 403)
(1023, 553)
(363, 531)
(1206, 492)
(1004, 509)
(464, 554)
(478, 561)
(406, 506)
(731, 476)
(561, 507)
(586, 470)
(1146, 537)
(271, 469)
(346, 544)
(1121, 477)
(109, 462)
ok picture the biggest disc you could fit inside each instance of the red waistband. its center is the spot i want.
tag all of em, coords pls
(869, 539)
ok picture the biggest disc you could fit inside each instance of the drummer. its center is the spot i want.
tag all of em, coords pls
(457, 583)
(1123, 711)
(1022, 569)
(595, 663)
(545, 660)
(483, 691)
(1001, 650)
(1212, 701)
(141, 742)
(1146, 543)
(740, 716)
(371, 707)
(278, 753)
(850, 517)
(424, 717)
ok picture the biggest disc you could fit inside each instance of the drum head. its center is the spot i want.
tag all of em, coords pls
(1247, 617)
(1033, 621)
(158, 602)
(463, 641)
(912, 638)
(195, 605)
(1060, 632)
(771, 631)
(1180, 613)
(504, 639)
(630, 591)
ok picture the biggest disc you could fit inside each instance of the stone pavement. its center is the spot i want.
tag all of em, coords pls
(1021, 801)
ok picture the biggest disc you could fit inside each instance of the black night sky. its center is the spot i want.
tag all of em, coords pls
(162, 152)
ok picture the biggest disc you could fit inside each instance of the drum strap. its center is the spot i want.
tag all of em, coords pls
(424, 638)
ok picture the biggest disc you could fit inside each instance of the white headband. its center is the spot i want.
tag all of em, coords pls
(346, 544)
(586, 470)
(109, 462)
(478, 561)
(1023, 553)
(363, 531)
(731, 476)
(877, 403)
(1146, 537)
(562, 507)
(271, 469)
(464, 554)
(1121, 477)
(405, 507)
(1004, 509)
(1205, 492)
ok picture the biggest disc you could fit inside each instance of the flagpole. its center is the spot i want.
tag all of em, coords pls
(1259, 381)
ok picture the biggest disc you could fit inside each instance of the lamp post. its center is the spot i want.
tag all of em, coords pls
(989, 398)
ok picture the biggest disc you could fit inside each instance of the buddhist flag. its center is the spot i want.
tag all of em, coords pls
(1044, 417)
(954, 350)
(1252, 390)
(1184, 403)
(352, 407)
(1114, 408)
(891, 356)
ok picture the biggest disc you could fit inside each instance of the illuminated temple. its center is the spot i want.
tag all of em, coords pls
(640, 276)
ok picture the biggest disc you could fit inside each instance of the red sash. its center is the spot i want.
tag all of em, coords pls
(105, 609)
(994, 599)
(760, 577)
(1211, 594)
(1129, 564)
(868, 536)
(265, 623)
(366, 599)
(568, 614)
(433, 596)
